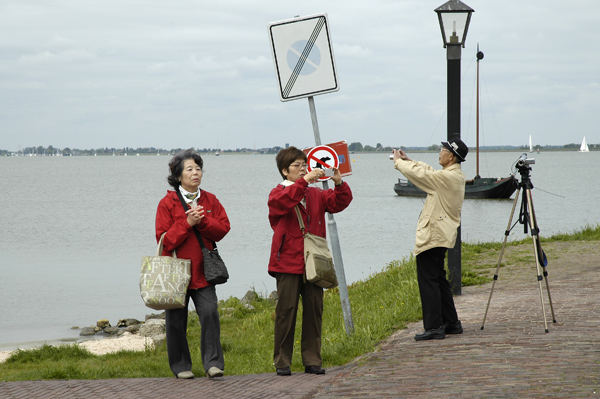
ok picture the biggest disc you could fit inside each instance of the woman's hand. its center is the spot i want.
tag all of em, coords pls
(195, 215)
(337, 177)
(314, 175)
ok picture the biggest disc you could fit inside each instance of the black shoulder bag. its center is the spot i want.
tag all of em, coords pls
(215, 270)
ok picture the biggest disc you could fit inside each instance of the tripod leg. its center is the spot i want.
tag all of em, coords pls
(549, 297)
(535, 237)
(506, 233)
(545, 271)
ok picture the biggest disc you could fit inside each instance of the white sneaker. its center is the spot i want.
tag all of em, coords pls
(214, 372)
(185, 374)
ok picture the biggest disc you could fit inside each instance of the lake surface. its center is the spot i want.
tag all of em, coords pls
(74, 229)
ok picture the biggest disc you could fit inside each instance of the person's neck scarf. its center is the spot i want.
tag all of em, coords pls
(190, 198)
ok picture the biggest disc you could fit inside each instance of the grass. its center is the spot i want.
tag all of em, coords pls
(382, 304)
(588, 233)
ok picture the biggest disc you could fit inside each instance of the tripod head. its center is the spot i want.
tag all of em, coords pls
(523, 166)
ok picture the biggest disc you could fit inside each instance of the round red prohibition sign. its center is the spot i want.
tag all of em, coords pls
(322, 157)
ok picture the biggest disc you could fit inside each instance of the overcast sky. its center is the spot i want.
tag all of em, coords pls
(191, 73)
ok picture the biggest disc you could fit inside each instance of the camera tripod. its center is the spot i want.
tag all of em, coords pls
(527, 218)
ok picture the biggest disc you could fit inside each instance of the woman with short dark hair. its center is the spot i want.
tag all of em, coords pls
(202, 212)
(286, 262)
(176, 165)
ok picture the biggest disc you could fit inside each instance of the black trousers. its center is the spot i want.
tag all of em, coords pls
(436, 295)
(289, 289)
(205, 301)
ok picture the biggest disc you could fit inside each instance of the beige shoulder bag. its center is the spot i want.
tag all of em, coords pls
(318, 262)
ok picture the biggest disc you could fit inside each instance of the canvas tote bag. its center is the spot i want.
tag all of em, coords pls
(164, 280)
(318, 262)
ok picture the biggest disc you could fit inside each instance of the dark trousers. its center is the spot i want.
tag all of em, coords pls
(289, 289)
(436, 295)
(205, 301)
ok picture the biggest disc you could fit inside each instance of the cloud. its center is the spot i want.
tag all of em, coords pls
(255, 62)
(351, 50)
(52, 57)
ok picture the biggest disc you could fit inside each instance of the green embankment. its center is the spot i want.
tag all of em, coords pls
(382, 304)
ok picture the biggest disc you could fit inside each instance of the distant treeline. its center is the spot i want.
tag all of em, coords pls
(352, 147)
(358, 147)
(55, 151)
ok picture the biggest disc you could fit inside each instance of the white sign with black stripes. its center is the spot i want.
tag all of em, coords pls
(303, 57)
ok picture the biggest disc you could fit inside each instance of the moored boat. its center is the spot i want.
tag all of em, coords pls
(477, 188)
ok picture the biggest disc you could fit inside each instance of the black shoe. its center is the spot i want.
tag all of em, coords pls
(284, 371)
(314, 370)
(453, 328)
(434, 333)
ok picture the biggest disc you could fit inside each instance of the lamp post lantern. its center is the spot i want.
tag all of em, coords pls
(454, 17)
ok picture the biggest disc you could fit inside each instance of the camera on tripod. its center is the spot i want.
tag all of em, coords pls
(523, 162)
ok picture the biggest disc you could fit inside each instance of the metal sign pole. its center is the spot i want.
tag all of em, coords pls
(338, 263)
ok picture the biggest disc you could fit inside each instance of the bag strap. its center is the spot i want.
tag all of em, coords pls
(159, 249)
(300, 221)
(196, 232)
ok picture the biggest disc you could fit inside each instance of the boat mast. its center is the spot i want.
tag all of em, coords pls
(479, 57)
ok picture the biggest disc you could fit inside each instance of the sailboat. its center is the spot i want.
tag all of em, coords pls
(478, 187)
(584, 147)
(530, 144)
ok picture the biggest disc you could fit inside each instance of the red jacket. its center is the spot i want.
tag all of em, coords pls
(171, 217)
(287, 245)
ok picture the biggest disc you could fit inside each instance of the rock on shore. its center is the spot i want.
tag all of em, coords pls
(4, 355)
(126, 341)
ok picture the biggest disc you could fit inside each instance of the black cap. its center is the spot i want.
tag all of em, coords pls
(458, 148)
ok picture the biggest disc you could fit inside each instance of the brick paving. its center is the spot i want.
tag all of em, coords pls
(511, 358)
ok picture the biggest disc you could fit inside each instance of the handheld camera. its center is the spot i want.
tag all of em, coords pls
(328, 172)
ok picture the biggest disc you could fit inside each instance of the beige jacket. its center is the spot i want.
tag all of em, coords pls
(440, 217)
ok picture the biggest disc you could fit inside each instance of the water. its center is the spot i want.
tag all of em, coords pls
(74, 229)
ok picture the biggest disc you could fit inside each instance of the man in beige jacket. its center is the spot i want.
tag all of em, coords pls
(436, 232)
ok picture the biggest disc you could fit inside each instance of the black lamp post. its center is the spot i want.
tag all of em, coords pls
(454, 17)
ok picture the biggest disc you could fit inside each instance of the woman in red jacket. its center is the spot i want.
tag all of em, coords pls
(204, 213)
(286, 262)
